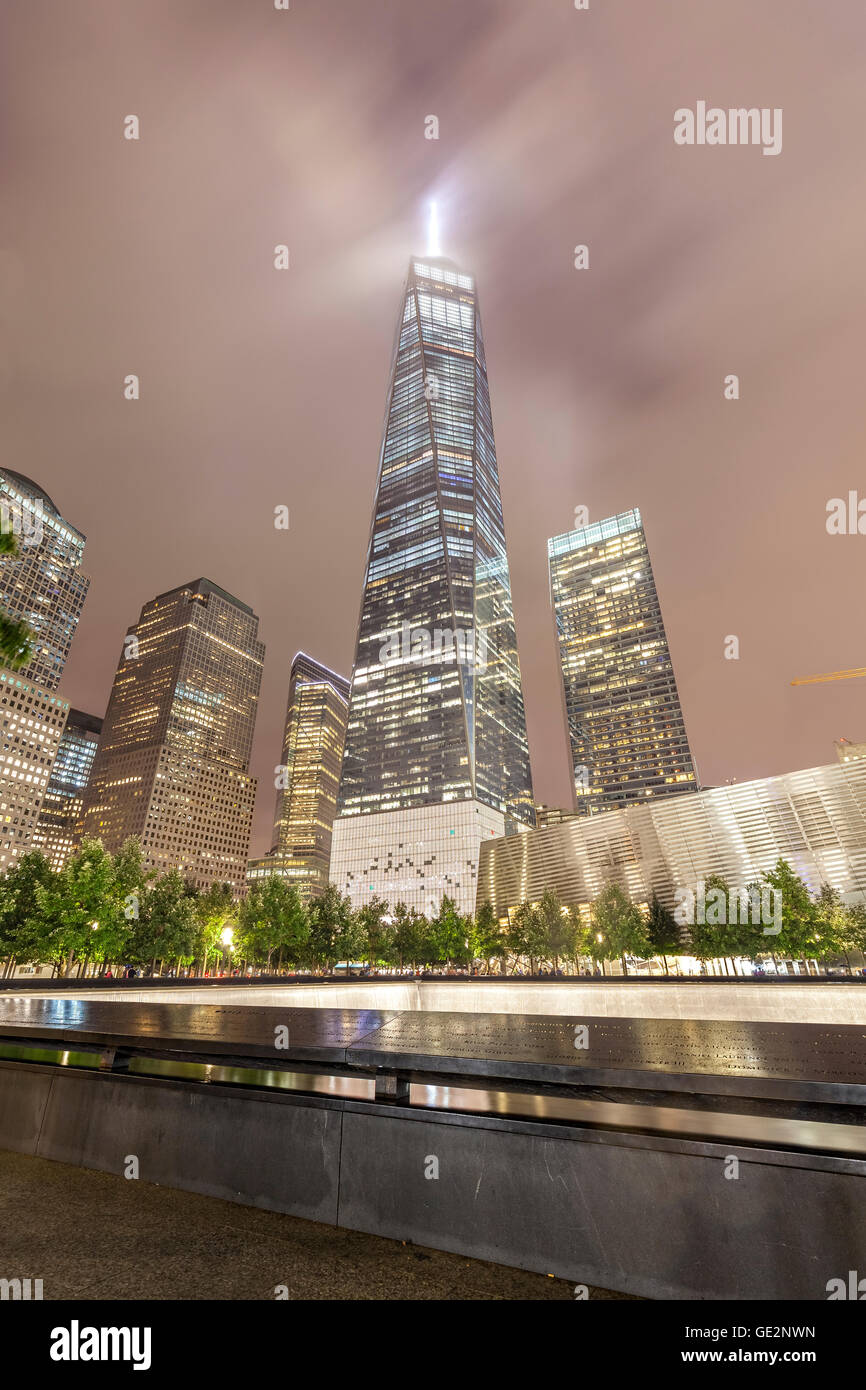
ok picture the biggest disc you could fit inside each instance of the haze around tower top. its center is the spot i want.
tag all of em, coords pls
(433, 247)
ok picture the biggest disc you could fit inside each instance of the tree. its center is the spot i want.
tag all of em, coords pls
(837, 928)
(523, 934)
(582, 937)
(22, 928)
(618, 925)
(79, 902)
(799, 915)
(408, 935)
(663, 933)
(449, 930)
(167, 926)
(486, 939)
(214, 910)
(333, 933)
(711, 936)
(271, 919)
(375, 929)
(555, 927)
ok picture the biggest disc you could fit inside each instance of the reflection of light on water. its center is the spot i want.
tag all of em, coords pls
(705, 999)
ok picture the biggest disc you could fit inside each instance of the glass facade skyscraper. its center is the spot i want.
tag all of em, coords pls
(43, 584)
(173, 761)
(44, 587)
(436, 712)
(309, 778)
(58, 829)
(625, 724)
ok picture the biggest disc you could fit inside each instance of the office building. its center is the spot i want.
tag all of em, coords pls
(308, 778)
(436, 756)
(44, 587)
(625, 724)
(58, 829)
(173, 761)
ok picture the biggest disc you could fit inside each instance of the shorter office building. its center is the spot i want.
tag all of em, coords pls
(416, 857)
(308, 779)
(172, 767)
(815, 819)
(848, 752)
(551, 815)
(58, 829)
(625, 722)
(32, 720)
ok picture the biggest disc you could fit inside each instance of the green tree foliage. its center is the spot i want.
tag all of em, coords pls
(22, 929)
(409, 943)
(104, 909)
(373, 919)
(334, 933)
(664, 934)
(618, 926)
(166, 929)
(556, 929)
(272, 922)
(487, 941)
(800, 930)
(82, 910)
(215, 910)
(449, 931)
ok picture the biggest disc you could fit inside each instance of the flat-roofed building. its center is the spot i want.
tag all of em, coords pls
(815, 819)
(43, 586)
(58, 829)
(625, 723)
(173, 762)
(308, 777)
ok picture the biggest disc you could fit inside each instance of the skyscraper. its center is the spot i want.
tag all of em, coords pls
(58, 828)
(309, 778)
(625, 723)
(43, 586)
(436, 751)
(172, 765)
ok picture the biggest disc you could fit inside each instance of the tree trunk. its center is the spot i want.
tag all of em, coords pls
(624, 966)
(665, 959)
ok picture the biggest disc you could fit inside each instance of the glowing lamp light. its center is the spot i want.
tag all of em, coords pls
(227, 936)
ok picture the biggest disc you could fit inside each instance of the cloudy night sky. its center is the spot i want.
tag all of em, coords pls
(261, 388)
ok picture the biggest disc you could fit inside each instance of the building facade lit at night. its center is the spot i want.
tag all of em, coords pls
(436, 718)
(625, 723)
(44, 587)
(58, 830)
(173, 761)
(309, 774)
(815, 819)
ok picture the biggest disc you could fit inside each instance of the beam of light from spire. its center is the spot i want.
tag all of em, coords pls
(433, 247)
